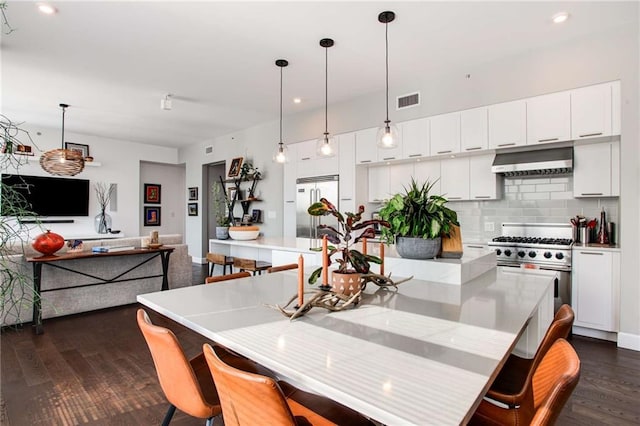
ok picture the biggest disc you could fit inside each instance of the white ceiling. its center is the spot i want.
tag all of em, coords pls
(114, 61)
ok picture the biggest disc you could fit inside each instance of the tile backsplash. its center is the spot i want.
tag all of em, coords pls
(531, 200)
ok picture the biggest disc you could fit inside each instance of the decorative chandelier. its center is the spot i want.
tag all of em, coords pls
(326, 145)
(62, 162)
(280, 155)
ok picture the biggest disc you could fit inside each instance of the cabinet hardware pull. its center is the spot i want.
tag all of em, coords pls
(506, 144)
(547, 140)
(591, 193)
(590, 134)
(289, 201)
(415, 155)
(470, 246)
(473, 148)
(389, 158)
(593, 253)
(455, 198)
(482, 196)
(443, 152)
(345, 199)
(365, 161)
(306, 158)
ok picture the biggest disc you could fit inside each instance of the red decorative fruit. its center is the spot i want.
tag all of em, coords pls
(48, 243)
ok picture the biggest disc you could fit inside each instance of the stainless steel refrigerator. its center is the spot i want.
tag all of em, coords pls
(309, 191)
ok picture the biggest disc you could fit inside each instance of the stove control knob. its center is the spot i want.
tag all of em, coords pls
(532, 254)
(559, 256)
(521, 253)
(498, 252)
(547, 254)
(507, 252)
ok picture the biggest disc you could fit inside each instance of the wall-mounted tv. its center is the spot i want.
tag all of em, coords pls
(50, 196)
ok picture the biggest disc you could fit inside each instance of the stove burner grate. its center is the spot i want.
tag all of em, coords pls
(534, 240)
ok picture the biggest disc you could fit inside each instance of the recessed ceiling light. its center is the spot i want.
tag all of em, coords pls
(560, 17)
(47, 9)
(297, 100)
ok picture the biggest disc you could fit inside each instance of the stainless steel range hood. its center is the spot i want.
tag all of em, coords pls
(553, 161)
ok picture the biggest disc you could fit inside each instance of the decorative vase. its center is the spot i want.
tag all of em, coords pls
(346, 284)
(417, 247)
(222, 232)
(48, 243)
(103, 223)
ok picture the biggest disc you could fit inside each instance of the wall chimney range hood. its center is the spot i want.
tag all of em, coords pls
(553, 161)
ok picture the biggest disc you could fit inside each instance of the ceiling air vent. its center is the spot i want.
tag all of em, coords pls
(408, 101)
(208, 150)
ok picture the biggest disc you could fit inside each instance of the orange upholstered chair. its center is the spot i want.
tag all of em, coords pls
(282, 267)
(546, 392)
(254, 399)
(187, 384)
(218, 278)
(509, 386)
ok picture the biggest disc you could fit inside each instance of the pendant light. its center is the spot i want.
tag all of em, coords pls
(388, 134)
(62, 162)
(326, 144)
(281, 154)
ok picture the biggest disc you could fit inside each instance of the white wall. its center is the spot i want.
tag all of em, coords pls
(173, 206)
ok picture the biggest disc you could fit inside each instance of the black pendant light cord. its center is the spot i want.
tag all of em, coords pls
(64, 109)
(386, 60)
(326, 90)
(280, 106)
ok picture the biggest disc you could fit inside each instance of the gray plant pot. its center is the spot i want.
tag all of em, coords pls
(222, 232)
(418, 248)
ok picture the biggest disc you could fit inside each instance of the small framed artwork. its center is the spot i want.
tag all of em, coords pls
(256, 215)
(151, 193)
(78, 147)
(192, 208)
(193, 193)
(232, 193)
(246, 218)
(236, 165)
(151, 216)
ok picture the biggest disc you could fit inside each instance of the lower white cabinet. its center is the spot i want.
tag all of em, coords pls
(595, 288)
(596, 169)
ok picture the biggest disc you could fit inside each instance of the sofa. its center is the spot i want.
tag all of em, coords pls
(17, 305)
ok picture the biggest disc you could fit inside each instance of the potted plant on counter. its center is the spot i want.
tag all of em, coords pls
(417, 221)
(352, 262)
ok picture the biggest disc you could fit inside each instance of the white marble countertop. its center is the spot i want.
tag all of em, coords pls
(425, 354)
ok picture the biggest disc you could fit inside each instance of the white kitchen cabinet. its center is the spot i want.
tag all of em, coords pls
(444, 131)
(289, 219)
(595, 281)
(483, 184)
(429, 170)
(347, 170)
(591, 111)
(399, 178)
(415, 138)
(474, 129)
(390, 154)
(596, 169)
(309, 164)
(549, 118)
(366, 149)
(454, 178)
(378, 189)
(507, 124)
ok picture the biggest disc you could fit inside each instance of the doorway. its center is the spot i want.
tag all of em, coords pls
(211, 176)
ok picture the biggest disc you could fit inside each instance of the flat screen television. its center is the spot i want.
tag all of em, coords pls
(50, 196)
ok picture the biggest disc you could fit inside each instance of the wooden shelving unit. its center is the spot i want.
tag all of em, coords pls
(231, 203)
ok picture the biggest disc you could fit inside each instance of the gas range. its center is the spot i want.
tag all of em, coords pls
(545, 245)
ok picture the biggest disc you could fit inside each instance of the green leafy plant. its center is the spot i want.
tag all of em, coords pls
(218, 207)
(350, 259)
(416, 213)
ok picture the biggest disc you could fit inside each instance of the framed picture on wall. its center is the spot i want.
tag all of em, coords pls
(236, 164)
(151, 216)
(151, 193)
(77, 147)
(193, 193)
(192, 208)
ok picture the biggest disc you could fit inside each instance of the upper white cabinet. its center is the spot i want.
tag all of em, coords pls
(483, 184)
(415, 138)
(549, 118)
(507, 124)
(454, 178)
(347, 170)
(429, 170)
(445, 134)
(366, 149)
(390, 154)
(592, 111)
(474, 132)
(596, 169)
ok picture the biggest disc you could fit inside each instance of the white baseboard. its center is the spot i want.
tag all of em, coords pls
(629, 341)
(199, 260)
(596, 334)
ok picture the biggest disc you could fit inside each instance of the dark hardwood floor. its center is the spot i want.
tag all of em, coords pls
(96, 368)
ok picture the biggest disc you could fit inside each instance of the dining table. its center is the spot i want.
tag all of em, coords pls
(422, 353)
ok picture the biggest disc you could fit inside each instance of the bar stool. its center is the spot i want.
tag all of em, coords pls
(220, 259)
(251, 265)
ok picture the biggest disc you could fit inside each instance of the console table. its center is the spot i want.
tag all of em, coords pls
(58, 261)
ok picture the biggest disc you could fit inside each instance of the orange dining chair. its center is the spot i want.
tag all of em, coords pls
(255, 266)
(218, 278)
(509, 385)
(253, 399)
(187, 384)
(282, 267)
(547, 391)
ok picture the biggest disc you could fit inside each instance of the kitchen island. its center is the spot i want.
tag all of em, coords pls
(281, 250)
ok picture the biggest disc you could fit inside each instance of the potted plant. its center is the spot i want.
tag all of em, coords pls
(352, 263)
(417, 221)
(219, 213)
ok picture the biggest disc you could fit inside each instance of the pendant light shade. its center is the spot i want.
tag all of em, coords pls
(326, 144)
(387, 134)
(62, 162)
(281, 154)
